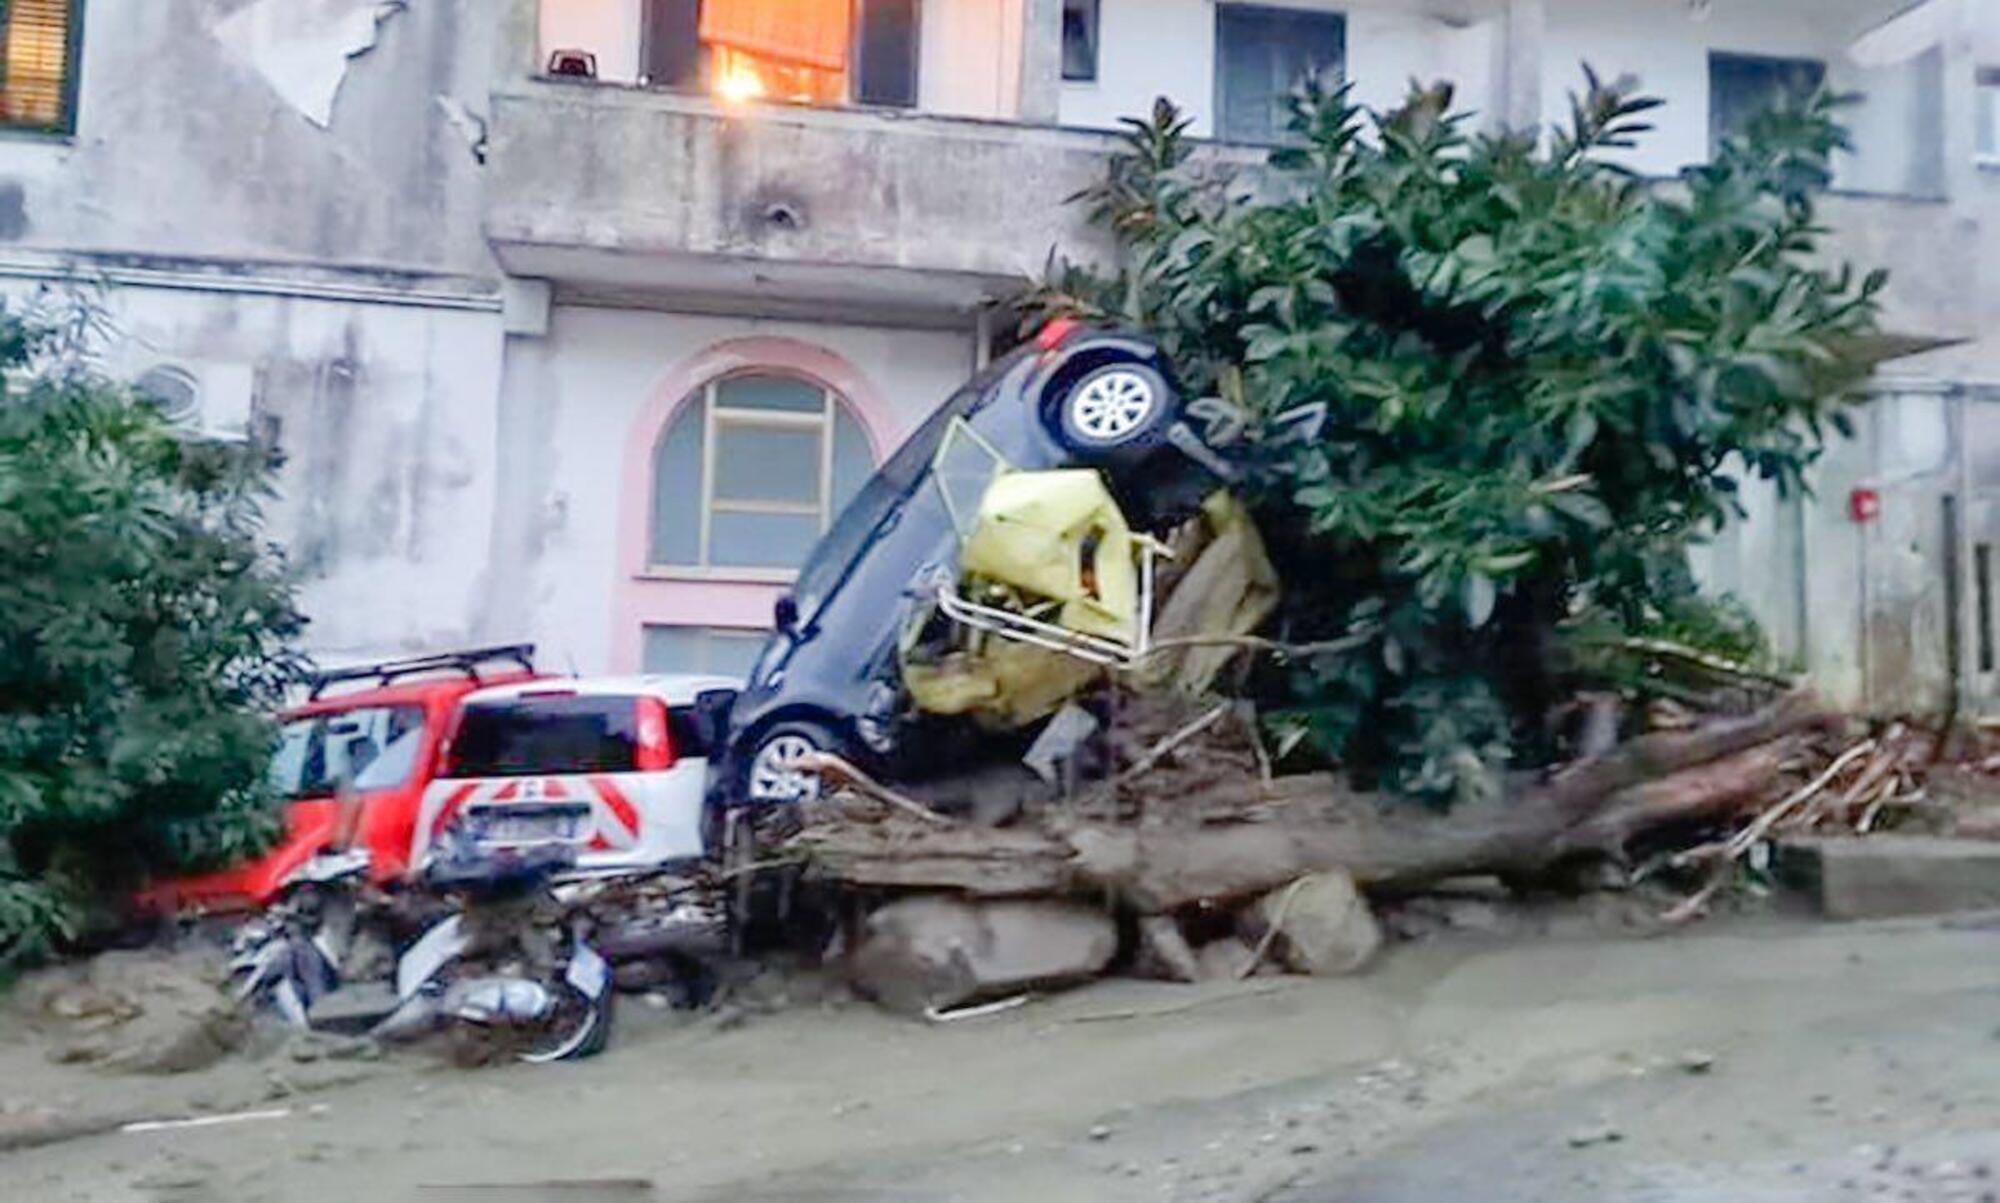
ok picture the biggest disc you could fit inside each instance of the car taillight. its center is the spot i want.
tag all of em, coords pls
(1057, 332)
(656, 745)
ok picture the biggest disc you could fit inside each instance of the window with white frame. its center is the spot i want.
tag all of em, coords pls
(1987, 113)
(750, 472)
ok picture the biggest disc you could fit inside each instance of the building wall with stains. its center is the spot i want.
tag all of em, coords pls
(280, 200)
(196, 139)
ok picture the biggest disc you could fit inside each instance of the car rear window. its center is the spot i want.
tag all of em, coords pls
(375, 747)
(529, 735)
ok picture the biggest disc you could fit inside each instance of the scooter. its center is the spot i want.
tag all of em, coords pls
(512, 970)
(304, 946)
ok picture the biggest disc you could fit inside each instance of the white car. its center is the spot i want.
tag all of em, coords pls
(615, 767)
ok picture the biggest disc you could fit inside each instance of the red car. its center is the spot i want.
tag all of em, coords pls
(385, 740)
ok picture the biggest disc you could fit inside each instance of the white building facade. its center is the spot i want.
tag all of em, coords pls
(577, 319)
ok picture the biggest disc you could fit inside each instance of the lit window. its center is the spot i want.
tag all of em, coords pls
(723, 651)
(1261, 54)
(807, 51)
(1987, 113)
(1079, 40)
(1740, 86)
(751, 471)
(38, 91)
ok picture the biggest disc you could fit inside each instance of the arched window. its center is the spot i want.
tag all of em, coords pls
(750, 471)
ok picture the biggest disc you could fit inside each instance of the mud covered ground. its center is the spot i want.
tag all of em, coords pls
(1756, 1059)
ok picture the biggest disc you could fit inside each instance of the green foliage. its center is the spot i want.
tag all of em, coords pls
(146, 633)
(1491, 383)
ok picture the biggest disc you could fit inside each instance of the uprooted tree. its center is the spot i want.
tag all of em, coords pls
(1493, 388)
(146, 634)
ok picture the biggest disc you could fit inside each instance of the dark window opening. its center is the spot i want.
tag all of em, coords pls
(670, 44)
(1740, 86)
(39, 44)
(1986, 114)
(1079, 40)
(1261, 55)
(886, 45)
(1982, 591)
(529, 736)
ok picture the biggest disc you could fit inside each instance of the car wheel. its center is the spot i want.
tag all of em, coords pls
(1113, 407)
(768, 778)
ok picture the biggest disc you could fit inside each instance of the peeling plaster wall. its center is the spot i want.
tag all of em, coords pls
(570, 403)
(185, 148)
(385, 416)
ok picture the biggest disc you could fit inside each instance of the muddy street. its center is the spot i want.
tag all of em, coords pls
(1770, 1058)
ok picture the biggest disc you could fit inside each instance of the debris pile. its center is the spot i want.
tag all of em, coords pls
(1208, 865)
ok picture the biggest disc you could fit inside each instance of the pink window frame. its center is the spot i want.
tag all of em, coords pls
(641, 598)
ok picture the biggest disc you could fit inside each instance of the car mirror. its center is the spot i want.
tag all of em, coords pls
(786, 613)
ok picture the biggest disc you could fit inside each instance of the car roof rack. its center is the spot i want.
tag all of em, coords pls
(383, 672)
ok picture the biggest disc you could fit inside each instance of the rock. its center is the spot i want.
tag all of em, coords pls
(1886, 875)
(1223, 960)
(1164, 951)
(1100, 1132)
(1603, 1134)
(938, 952)
(1325, 926)
(1697, 1061)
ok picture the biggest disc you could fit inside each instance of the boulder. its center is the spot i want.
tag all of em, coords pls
(936, 952)
(1223, 960)
(1324, 925)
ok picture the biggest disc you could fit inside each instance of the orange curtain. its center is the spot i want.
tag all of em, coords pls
(807, 33)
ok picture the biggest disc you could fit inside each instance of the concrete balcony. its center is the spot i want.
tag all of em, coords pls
(627, 194)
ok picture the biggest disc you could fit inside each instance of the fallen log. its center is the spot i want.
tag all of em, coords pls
(1244, 838)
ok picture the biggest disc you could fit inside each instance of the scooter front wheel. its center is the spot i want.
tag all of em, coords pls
(579, 1027)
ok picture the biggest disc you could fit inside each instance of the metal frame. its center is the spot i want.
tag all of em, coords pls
(385, 671)
(1095, 648)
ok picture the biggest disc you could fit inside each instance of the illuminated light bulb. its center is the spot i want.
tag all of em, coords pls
(739, 84)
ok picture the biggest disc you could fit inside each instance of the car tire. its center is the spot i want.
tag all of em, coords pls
(1113, 408)
(764, 783)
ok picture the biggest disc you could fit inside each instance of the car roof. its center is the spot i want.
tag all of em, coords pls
(676, 689)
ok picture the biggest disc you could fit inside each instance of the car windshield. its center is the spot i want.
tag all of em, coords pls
(375, 746)
(858, 523)
(533, 735)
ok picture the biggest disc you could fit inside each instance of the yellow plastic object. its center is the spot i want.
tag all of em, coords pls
(1003, 684)
(1059, 534)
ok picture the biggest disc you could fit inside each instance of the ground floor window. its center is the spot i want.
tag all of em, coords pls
(724, 651)
(750, 472)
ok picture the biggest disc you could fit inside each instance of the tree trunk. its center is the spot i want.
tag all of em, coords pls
(1299, 825)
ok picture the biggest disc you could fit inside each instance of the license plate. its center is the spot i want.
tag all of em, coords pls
(528, 829)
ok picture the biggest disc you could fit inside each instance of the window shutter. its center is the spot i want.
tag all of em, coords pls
(37, 61)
